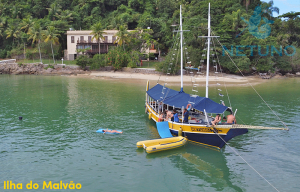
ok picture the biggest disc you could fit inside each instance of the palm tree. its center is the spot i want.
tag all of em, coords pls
(98, 33)
(35, 33)
(2, 24)
(235, 19)
(246, 3)
(54, 9)
(26, 24)
(12, 31)
(24, 37)
(270, 9)
(16, 11)
(66, 16)
(51, 35)
(122, 36)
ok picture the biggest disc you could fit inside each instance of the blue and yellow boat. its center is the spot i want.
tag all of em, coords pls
(198, 128)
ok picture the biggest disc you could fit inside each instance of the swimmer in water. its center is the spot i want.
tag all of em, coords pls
(111, 131)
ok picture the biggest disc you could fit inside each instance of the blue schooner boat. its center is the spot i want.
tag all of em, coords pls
(198, 128)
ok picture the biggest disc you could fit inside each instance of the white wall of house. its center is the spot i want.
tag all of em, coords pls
(74, 36)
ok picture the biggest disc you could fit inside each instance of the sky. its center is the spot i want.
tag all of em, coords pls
(286, 6)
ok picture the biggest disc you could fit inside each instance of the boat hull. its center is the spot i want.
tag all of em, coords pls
(214, 140)
(200, 133)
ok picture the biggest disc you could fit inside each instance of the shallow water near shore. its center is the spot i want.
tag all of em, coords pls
(57, 140)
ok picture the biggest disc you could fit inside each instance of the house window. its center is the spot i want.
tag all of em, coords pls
(105, 39)
(113, 39)
(90, 39)
(81, 39)
(72, 39)
(95, 47)
(80, 47)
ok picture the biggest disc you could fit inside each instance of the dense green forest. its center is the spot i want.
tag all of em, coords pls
(30, 25)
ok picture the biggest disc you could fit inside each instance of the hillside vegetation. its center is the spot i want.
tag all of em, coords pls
(41, 25)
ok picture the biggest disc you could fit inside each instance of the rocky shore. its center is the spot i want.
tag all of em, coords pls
(108, 72)
(39, 69)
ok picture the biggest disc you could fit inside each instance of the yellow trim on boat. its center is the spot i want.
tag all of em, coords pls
(197, 128)
(187, 128)
(152, 113)
(147, 87)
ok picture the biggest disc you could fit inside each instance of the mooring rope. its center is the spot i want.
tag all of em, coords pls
(245, 160)
(268, 107)
(240, 119)
(252, 85)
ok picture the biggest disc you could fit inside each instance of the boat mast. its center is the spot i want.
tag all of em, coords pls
(208, 47)
(181, 53)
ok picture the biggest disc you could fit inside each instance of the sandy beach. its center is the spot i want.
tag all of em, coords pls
(136, 75)
(230, 80)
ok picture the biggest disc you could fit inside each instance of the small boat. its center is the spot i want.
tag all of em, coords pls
(156, 145)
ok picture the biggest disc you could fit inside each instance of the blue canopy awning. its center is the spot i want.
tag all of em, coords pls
(210, 106)
(160, 93)
(181, 99)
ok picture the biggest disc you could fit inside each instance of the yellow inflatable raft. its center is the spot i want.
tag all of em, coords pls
(156, 145)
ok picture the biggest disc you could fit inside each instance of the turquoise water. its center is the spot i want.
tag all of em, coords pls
(57, 140)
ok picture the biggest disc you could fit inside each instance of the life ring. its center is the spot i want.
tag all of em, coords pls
(189, 106)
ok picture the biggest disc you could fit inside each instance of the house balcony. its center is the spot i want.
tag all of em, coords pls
(96, 51)
(95, 41)
(92, 47)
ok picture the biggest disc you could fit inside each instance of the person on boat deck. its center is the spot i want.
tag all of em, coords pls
(111, 131)
(186, 116)
(175, 116)
(231, 119)
(224, 120)
(169, 115)
(160, 105)
(160, 117)
(216, 120)
(165, 115)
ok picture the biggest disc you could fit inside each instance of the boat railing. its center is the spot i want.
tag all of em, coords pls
(194, 117)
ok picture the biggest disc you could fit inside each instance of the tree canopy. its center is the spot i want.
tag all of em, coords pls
(22, 17)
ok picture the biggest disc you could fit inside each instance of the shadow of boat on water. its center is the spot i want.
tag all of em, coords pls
(202, 162)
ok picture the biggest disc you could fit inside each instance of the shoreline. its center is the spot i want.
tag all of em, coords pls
(174, 80)
(133, 75)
